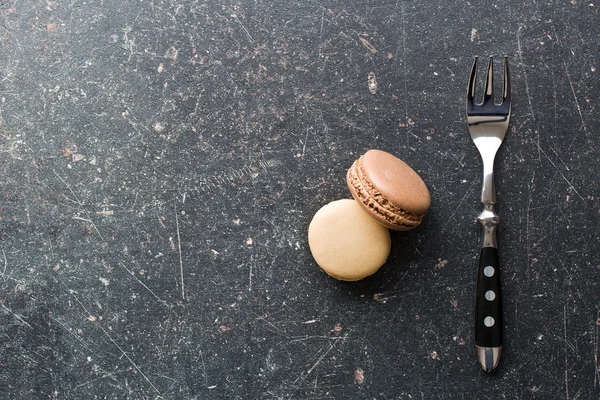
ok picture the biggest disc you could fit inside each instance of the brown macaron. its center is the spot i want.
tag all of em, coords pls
(389, 190)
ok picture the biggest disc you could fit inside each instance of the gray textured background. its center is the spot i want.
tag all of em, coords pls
(160, 162)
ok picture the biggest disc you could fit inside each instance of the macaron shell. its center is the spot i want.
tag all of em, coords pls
(346, 242)
(396, 181)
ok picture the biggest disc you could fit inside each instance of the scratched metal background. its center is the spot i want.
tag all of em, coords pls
(160, 162)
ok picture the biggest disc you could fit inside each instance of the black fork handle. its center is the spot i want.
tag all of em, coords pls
(489, 324)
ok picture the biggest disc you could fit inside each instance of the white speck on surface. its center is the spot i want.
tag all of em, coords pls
(172, 53)
(473, 34)
(159, 127)
(359, 376)
(372, 82)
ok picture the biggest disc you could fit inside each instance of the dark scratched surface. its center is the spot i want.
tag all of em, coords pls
(160, 162)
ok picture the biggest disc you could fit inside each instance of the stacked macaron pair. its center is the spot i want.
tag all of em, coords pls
(349, 239)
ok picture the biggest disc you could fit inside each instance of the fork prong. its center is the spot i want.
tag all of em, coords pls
(471, 85)
(488, 90)
(506, 82)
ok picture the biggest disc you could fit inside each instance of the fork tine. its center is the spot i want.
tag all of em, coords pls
(488, 90)
(471, 85)
(506, 82)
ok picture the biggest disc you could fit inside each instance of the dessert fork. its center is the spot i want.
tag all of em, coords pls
(488, 123)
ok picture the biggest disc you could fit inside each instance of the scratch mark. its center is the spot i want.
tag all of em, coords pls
(404, 58)
(329, 338)
(95, 379)
(458, 161)
(250, 273)
(180, 258)
(17, 316)
(522, 65)
(560, 159)
(142, 283)
(322, 19)
(320, 359)
(77, 201)
(92, 319)
(527, 224)
(134, 201)
(5, 264)
(91, 223)
(27, 203)
(229, 177)
(566, 355)
(105, 213)
(304, 144)
(174, 382)
(585, 130)
(368, 45)
(243, 27)
(264, 319)
(317, 362)
(204, 369)
(68, 329)
(556, 118)
(557, 170)
(128, 44)
(457, 208)
(596, 369)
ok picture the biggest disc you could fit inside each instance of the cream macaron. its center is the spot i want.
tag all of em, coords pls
(347, 242)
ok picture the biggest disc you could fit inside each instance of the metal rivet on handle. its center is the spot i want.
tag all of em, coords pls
(489, 322)
(489, 271)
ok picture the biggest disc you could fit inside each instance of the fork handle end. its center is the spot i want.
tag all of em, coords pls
(488, 357)
(489, 323)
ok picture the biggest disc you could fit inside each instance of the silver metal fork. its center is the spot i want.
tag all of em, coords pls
(488, 123)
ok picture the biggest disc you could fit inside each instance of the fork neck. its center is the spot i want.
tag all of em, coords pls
(488, 189)
(488, 217)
